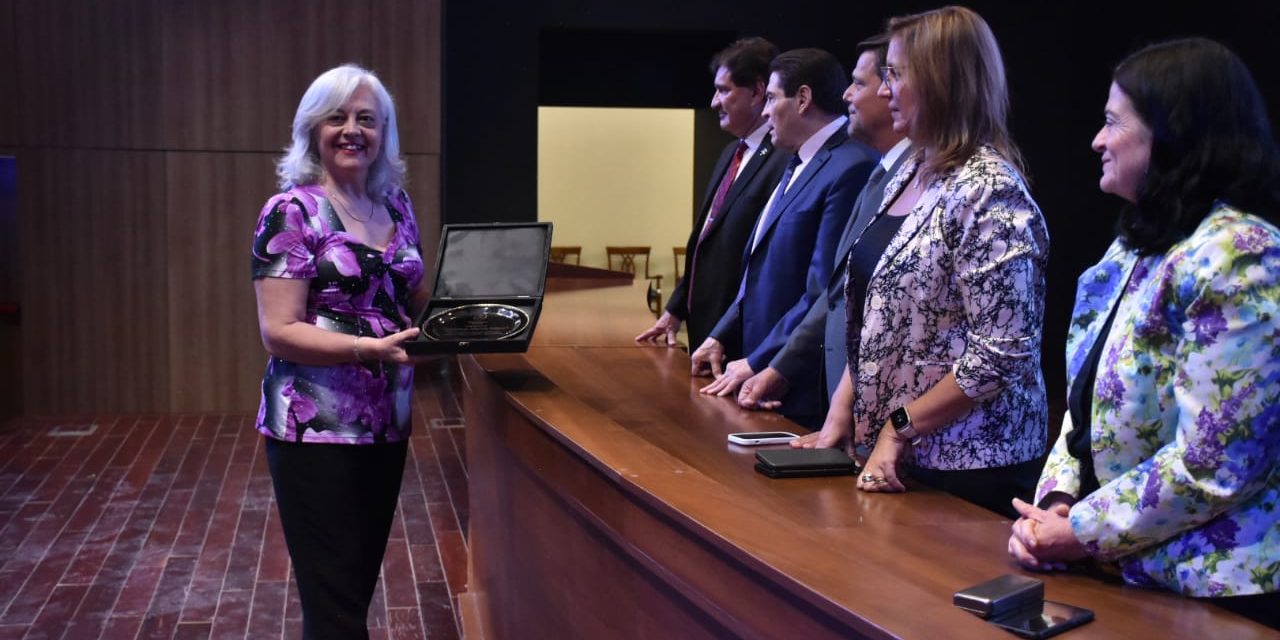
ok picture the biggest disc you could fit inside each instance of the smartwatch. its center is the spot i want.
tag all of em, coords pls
(902, 424)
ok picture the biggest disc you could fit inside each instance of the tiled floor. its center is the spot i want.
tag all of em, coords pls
(165, 527)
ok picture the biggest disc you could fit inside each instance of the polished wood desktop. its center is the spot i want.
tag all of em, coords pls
(606, 503)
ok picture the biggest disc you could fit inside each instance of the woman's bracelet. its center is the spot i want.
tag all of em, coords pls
(355, 348)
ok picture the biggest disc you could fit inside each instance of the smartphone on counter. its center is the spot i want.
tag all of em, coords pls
(762, 437)
(1043, 622)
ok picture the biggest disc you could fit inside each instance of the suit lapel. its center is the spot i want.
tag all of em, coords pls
(811, 169)
(754, 163)
(722, 165)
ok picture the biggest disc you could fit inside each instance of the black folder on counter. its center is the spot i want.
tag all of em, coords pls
(805, 463)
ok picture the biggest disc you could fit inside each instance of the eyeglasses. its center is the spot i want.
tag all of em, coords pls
(890, 74)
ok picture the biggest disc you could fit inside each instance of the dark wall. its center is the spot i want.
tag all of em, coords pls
(1058, 56)
(10, 329)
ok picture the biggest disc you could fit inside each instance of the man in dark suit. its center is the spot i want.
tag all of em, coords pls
(791, 250)
(821, 335)
(741, 182)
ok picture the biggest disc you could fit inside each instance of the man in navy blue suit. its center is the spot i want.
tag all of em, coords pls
(788, 256)
(820, 338)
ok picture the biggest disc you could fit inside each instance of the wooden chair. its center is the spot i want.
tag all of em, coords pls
(562, 254)
(626, 262)
(678, 252)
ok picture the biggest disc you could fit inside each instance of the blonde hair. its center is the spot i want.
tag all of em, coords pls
(954, 64)
(300, 163)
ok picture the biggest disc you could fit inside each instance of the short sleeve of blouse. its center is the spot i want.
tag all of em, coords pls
(401, 203)
(284, 241)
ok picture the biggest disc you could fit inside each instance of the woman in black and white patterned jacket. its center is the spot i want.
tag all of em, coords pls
(946, 284)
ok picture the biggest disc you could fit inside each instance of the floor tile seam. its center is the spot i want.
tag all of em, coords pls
(207, 480)
(219, 500)
(128, 520)
(21, 473)
(44, 445)
(239, 519)
(36, 568)
(98, 474)
(166, 554)
(217, 611)
(164, 502)
(81, 599)
(93, 528)
(31, 575)
(146, 436)
(448, 491)
(49, 477)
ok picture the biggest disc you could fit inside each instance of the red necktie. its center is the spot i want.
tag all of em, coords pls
(727, 181)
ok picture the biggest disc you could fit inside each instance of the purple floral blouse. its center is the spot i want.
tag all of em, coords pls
(354, 289)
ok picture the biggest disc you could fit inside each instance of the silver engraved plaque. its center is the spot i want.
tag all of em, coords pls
(487, 321)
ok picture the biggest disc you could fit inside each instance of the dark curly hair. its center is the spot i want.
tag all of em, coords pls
(1210, 140)
(747, 61)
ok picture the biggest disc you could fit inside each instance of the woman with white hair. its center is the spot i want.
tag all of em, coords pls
(336, 269)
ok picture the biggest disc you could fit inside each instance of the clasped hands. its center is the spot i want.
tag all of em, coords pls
(1042, 539)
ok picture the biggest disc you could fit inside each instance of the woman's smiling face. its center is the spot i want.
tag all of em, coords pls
(1125, 144)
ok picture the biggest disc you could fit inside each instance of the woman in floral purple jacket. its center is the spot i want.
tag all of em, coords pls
(336, 268)
(1167, 463)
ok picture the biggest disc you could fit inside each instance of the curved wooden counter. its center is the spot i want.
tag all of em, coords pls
(606, 503)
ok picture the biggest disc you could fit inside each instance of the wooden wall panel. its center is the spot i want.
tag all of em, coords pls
(406, 55)
(94, 261)
(215, 355)
(89, 73)
(424, 190)
(145, 132)
(233, 71)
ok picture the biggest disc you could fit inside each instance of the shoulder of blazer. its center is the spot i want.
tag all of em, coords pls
(836, 139)
(856, 152)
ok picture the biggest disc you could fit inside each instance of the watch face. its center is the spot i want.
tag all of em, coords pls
(900, 418)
